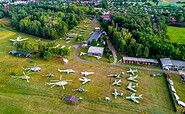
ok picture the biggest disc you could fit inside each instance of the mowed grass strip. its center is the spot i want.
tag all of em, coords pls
(176, 34)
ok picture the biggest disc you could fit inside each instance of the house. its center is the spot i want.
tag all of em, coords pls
(143, 61)
(95, 51)
(95, 36)
(172, 19)
(20, 53)
(166, 63)
(106, 17)
(178, 65)
(71, 99)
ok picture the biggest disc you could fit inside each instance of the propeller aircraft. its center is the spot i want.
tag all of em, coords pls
(18, 39)
(82, 53)
(115, 93)
(58, 82)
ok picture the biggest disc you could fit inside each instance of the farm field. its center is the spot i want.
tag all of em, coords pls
(176, 34)
(19, 96)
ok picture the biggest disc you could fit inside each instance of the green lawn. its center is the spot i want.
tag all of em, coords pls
(176, 34)
(19, 96)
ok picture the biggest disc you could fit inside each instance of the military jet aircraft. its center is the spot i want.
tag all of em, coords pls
(176, 96)
(79, 89)
(84, 80)
(18, 39)
(131, 78)
(182, 104)
(34, 68)
(133, 97)
(116, 75)
(86, 73)
(131, 88)
(132, 71)
(82, 53)
(116, 83)
(58, 82)
(24, 76)
(67, 71)
(115, 93)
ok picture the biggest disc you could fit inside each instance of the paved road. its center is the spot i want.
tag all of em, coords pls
(111, 47)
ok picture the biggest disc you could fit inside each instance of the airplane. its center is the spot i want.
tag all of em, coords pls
(58, 82)
(132, 71)
(86, 73)
(155, 74)
(24, 77)
(131, 78)
(133, 97)
(67, 71)
(176, 96)
(182, 104)
(18, 39)
(82, 53)
(173, 89)
(170, 81)
(79, 89)
(131, 88)
(49, 75)
(63, 46)
(97, 57)
(33, 69)
(84, 80)
(115, 93)
(65, 60)
(116, 83)
(38, 40)
(56, 46)
(116, 75)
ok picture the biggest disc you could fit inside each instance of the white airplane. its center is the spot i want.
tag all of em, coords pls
(170, 81)
(97, 57)
(132, 71)
(63, 46)
(67, 71)
(24, 77)
(133, 97)
(38, 40)
(116, 75)
(86, 73)
(58, 82)
(131, 78)
(35, 68)
(173, 89)
(131, 88)
(56, 46)
(116, 83)
(176, 96)
(82, 53)
(182, 104)
(84, 80)
(115, 93)
(18, 39)
(65, 60)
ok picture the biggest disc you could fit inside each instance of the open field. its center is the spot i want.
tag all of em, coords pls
(176, 34)
(36, 97)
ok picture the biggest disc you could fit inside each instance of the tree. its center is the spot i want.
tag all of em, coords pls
(47, 55)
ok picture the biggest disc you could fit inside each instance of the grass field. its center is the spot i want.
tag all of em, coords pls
(19, 96)
(176, 34)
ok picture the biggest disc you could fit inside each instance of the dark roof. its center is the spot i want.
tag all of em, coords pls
(166, 61)
(71, 98)
(95, 36)
(140, 59)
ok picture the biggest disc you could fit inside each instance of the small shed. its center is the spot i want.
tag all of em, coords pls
(95, 51)
(166, 63)
(71, 99)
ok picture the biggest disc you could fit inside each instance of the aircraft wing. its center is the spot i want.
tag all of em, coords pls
(133, 95)
(136, 101)
(12, 40)
(24, 39)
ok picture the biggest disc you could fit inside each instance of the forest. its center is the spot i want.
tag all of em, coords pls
(44, 21)
(139, 34)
